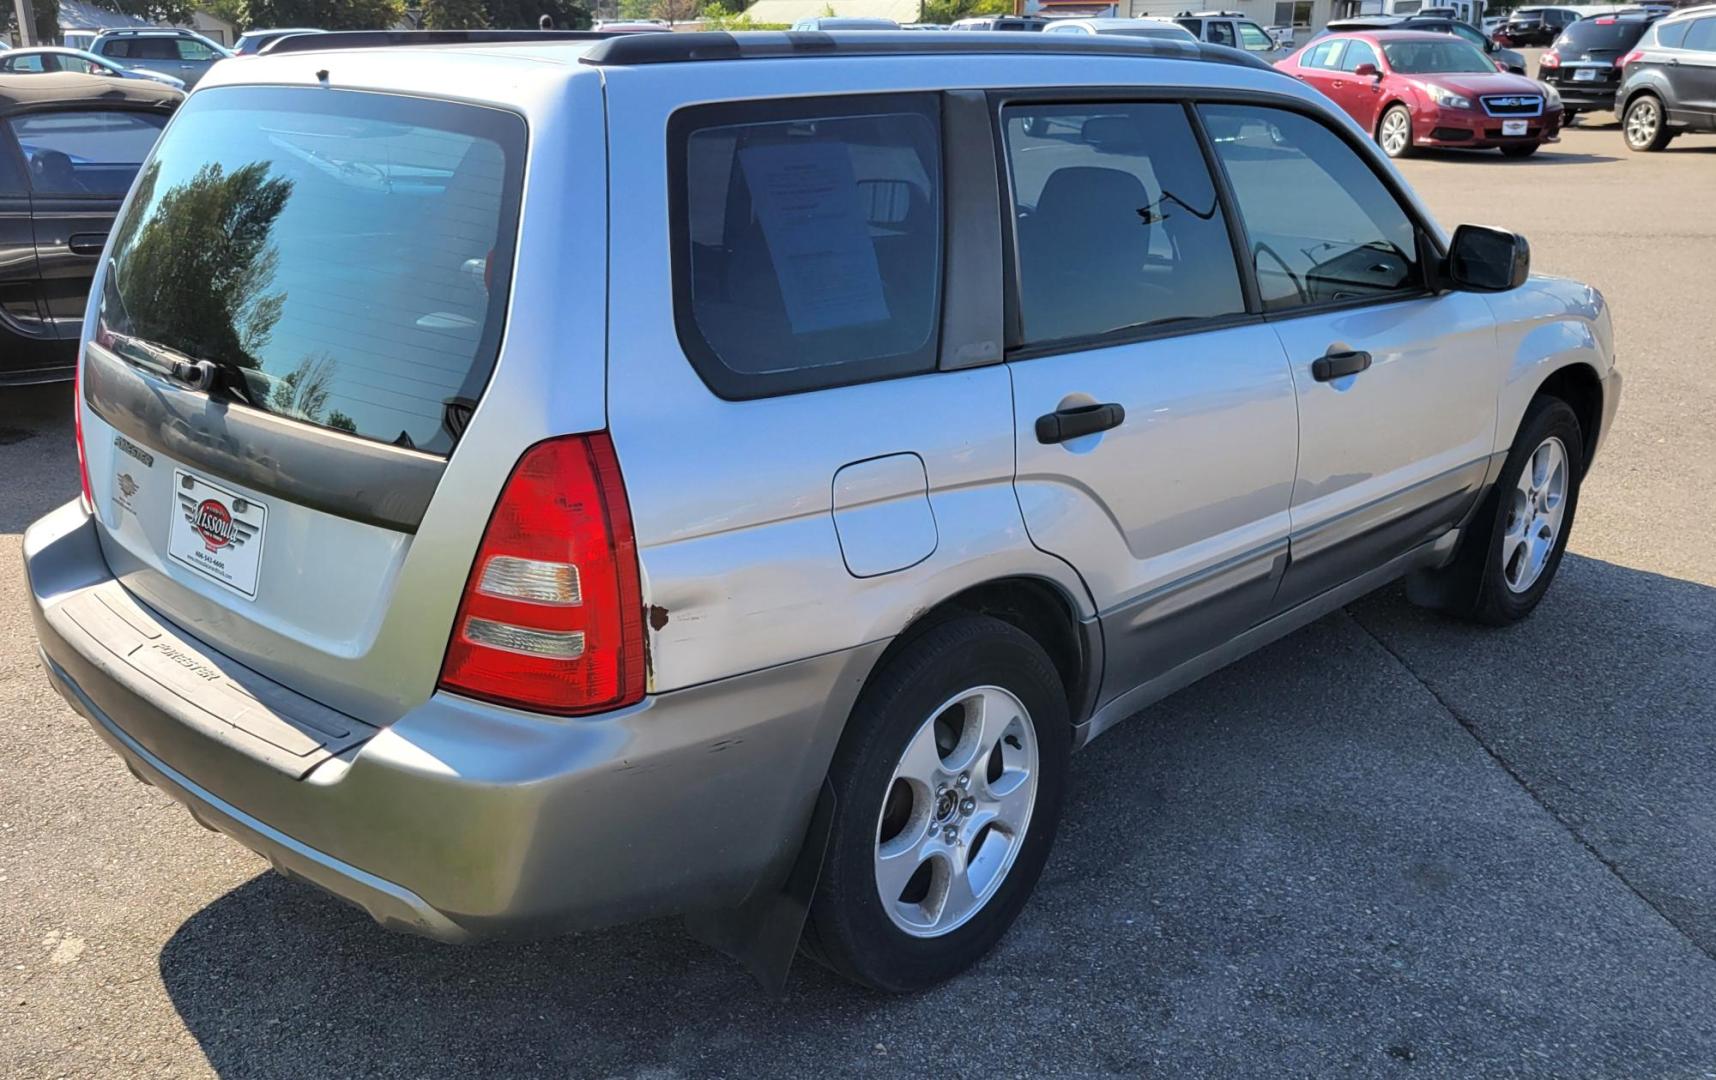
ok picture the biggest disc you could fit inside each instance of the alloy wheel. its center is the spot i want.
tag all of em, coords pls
(1396, 132)
(1643, 120)
(956, 812)
(1535, 511)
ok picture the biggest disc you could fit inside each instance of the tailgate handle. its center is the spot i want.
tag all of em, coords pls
(1064, 424)
(86, 243)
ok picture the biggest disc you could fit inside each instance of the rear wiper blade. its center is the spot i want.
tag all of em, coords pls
(204, 375)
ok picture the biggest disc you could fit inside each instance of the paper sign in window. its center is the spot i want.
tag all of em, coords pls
(806, 197)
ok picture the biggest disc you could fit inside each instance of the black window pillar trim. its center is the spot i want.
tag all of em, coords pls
(973, 310)
(1238, 238)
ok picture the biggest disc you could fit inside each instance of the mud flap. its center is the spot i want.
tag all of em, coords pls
(763, 932)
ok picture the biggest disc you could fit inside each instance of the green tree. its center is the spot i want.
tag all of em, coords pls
(946, 11)
(524, 14)
(637, 9)
(717, 16)
(198, 271)
(151, 10)
(326, 14)
(47, 19)
(455, 15)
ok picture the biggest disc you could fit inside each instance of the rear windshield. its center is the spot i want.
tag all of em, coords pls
(341, 257)
(1587, 34)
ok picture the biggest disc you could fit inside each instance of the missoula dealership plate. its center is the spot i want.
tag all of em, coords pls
(216, 533)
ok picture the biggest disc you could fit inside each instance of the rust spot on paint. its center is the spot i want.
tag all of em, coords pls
(657, 616)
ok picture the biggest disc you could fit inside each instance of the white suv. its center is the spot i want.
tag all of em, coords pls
(538, 485)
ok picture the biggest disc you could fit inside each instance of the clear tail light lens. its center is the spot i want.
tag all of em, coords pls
(552, 615)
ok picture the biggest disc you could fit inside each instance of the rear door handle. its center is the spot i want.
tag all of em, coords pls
(89, 243)
(1334, 365)
(1064, 424)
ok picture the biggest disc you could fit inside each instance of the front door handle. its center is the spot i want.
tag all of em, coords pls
(89, 243)
(1335, 364)
(1064, 424)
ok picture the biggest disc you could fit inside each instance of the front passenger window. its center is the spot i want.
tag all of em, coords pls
(1117, 224)
(1321, 225)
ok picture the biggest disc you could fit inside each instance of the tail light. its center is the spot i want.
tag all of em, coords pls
(1636, 54)
(1549, 60)
(552, 616)
(88, 494)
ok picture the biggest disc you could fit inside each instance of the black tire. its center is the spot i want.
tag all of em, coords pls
(1474, 586)
(849, 930)
(1403, 150)
(1640, 136)
(1520, 150)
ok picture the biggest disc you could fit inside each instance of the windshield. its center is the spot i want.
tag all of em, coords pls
(342, 258)
(1432, 57)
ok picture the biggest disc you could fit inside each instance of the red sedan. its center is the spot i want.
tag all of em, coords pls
(1414, 89)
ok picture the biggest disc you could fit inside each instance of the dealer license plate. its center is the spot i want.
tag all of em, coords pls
(216, 532)
(1513, 127)
(1585, 75)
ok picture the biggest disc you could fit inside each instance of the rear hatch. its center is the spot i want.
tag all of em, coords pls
(300, 311)
(1586, 52)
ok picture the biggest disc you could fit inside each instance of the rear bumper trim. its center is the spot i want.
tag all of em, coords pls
(387, 903)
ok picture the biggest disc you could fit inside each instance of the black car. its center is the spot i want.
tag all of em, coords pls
(1436, 24)
(70, 146)
(1584, 65)
(1535, 26)
(1668, 80)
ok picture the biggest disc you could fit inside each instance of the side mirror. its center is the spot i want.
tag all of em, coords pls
(1482, 259)
(1367, 71)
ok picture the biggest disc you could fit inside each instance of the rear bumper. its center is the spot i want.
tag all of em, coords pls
(1585, 97)
(463, 820)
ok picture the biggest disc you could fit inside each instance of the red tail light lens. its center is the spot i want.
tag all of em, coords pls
(1636, 54)
(552, 616)
(1549, 60)
(88, 493)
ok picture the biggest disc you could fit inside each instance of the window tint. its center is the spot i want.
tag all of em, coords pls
(1254, 38)
(1117, 222)
(117, 47)
(1616, 34)
(1222, 33)
(85, 152)
(194, 50)
(1326, 54)
(1322, 226)
(345, 256)
(26, 64)
(1358, 52)
(1671, 36)
(809, 241)
(153, 48)
(1701, 36)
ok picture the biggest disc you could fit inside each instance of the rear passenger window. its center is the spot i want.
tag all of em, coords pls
(1358, 53)
(1118, 227)
(1322, 226)
(85, 152)
(808, 241)
(1326, 55)
(1701, 36)
(1671, 36)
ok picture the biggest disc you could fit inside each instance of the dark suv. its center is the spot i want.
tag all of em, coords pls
(1535, 26)
(1668, 80)
(1584, 65)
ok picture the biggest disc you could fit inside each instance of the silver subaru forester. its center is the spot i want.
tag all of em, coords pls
(531, 485)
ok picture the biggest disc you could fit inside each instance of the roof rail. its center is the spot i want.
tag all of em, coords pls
(375, 39)
(628, 49)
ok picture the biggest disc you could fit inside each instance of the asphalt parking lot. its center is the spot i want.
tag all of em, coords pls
(1388, 845)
